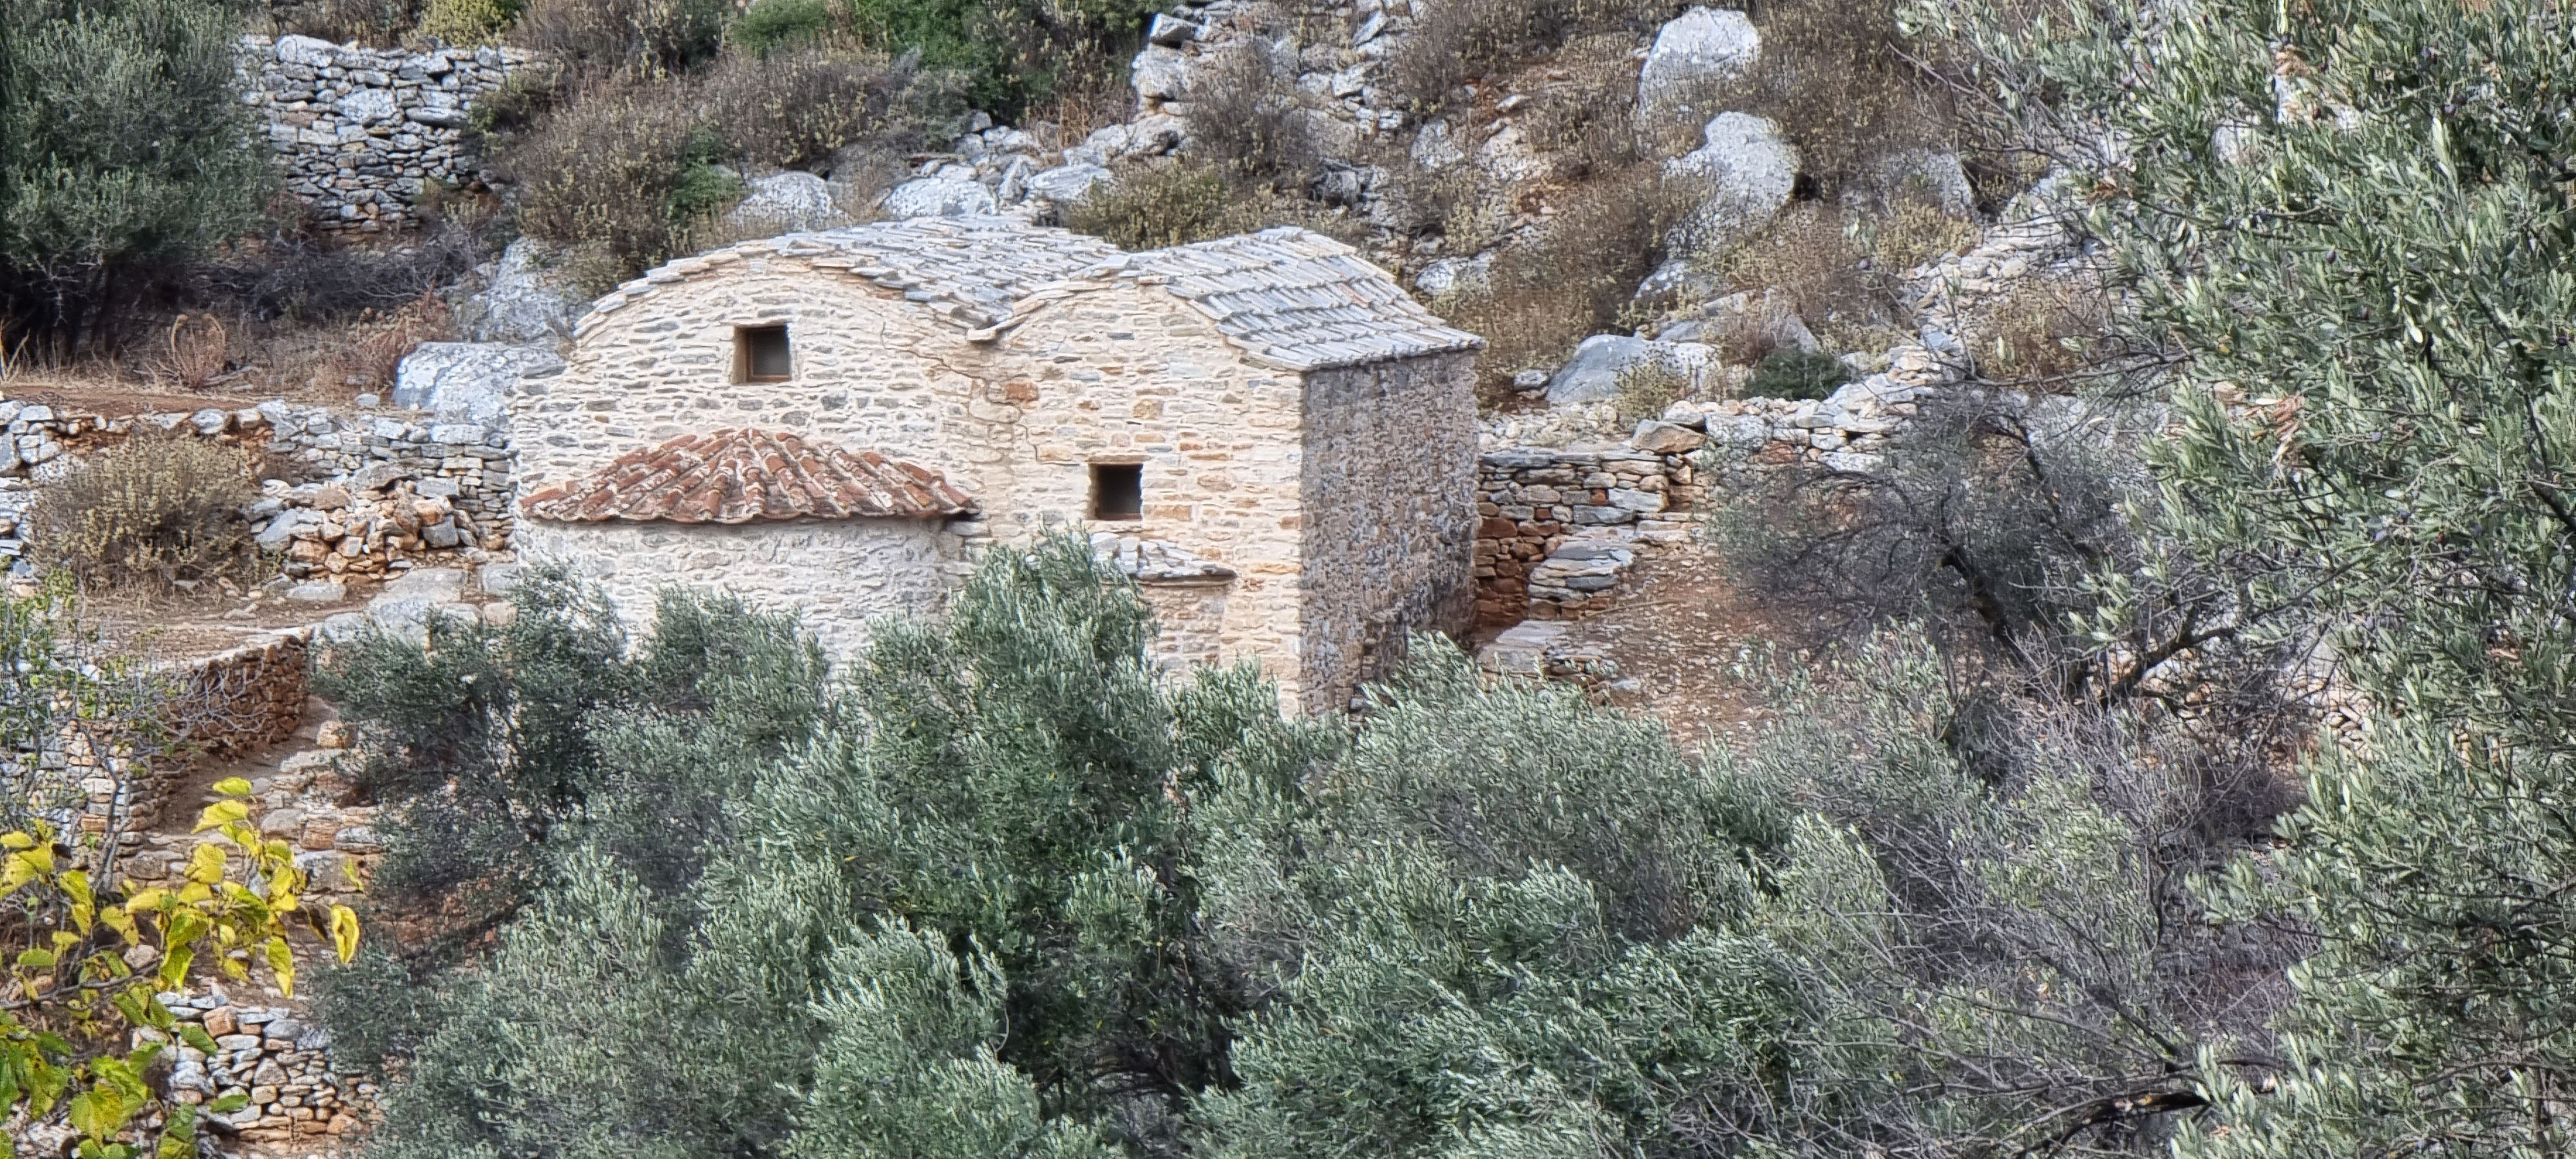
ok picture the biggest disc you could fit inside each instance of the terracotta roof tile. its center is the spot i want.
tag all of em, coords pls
(745, 476)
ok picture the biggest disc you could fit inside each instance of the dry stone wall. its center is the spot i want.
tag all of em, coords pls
(271, 1056)
(360, 131)
(390, 489)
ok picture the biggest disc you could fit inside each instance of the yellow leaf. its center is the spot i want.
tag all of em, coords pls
(76, 883)
(282, 961)
(17, 841)
(206, 865)
(148, 900)
(195, 892)
(81, 915)
(344, 931)
(232, 787)
(222, 813)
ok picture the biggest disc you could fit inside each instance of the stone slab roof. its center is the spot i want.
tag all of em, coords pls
(968, 270)
(745, 476)
(1287, 297)
(1153, 560)
(1299, 299)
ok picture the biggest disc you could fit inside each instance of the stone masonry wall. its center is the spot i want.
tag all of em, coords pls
(839, 574)
(1534, 501)
(1191, 617)
(1390, 524)
(271, 1056)
(360, 131)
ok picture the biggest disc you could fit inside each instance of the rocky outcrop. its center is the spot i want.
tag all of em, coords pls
(360, 131)
(1749, 170)
(526, 297)
(468, 382)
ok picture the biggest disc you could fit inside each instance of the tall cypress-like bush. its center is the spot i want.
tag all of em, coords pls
(124, 146)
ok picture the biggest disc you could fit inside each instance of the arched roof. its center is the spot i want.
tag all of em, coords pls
(1286, 297)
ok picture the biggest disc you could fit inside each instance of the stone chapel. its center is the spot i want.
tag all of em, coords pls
(1265, 431)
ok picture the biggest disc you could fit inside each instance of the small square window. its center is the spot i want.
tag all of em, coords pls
(760, 354)
(1117, 490)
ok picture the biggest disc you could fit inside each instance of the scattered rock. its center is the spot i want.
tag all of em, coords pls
(318, 592)
(1066, 184)
(1663, 438)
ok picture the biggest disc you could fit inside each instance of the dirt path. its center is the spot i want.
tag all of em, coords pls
(1676, 643)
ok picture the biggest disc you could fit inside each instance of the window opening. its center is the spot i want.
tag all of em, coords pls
(762, 354)
(1117, 490)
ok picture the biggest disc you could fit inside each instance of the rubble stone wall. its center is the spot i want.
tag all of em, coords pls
(360, 131)
(1390, 526)
(1533, 501)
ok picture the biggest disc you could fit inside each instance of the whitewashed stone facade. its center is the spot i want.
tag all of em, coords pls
(840, 573)
(1290, 416)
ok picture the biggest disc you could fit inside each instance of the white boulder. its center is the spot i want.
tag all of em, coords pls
(787, 202)
(530, 298)
(939, 197)
(1693, 54)
(468, 382)
(1748, 169)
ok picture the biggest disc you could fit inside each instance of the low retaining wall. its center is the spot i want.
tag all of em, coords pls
(244, 699)
(1561, 526)
(393, 487)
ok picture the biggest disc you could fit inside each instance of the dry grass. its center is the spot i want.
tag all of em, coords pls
(622, 168)
(1810, 258)
(1457, 41)
(1181, 200)
(2039, 334)
(1834, 76)
(1575, 280)
(1648, 386)
(198, 352)
(147, 514)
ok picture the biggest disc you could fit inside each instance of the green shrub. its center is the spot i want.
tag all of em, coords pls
(629, 168)
(464, 21)
(1012, 52)
(146, 514)
(121, 152)
(776, 23)
(1454, 41)
(1797, 374)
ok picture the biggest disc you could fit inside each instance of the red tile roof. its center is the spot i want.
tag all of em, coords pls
(743, 476)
